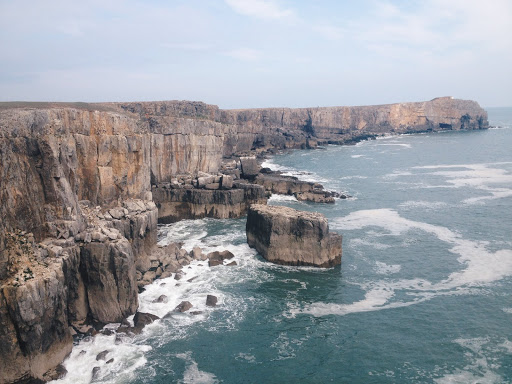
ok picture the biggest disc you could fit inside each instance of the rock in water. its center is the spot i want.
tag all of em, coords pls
(287, 236)
(211, 301)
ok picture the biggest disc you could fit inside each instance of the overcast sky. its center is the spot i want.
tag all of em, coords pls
(256, 53)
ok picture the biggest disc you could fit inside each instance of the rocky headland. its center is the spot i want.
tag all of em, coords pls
(83, 186)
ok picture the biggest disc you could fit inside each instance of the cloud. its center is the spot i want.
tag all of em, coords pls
(439, 25)
(261, 9)
(188, 46)
(245, 54)
(329, 32)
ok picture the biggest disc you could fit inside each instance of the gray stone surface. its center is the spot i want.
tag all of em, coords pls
(287, 236)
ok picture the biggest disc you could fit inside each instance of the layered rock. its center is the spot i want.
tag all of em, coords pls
(88, 278)
(78, 263)
(217, 196)
(274, 182)
(287, 236)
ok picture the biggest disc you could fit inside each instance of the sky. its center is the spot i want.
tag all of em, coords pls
(256, 53)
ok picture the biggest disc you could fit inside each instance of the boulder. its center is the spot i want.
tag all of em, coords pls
(223, 255)
(161, 299)
(102, 355)
(226, 182)
(214, 262)
(250, 167)
(211, 301)
(141, 319)
(184, 306)
(287, 236)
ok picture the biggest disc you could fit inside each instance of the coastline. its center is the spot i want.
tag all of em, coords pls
(112, 160)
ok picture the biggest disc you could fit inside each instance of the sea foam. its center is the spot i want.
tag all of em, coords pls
(480, 266)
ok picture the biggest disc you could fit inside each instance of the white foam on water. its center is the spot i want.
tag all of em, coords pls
(190, 232)
(246, 357)
(352, 177)
(357, 156)
(487, 177)
(431, 205)
(397, 174)
(364, 242)
(290, 171)
(277, 198)
(395, 144)
(507, 310)
(128, 357)
(192, 374)
(481, 369)
(480, 266)
(387, 269)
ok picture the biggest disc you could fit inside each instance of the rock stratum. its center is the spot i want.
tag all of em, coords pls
(287, 236)
(83, 185)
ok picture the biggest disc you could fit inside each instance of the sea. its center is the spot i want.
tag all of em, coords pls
(423, 294)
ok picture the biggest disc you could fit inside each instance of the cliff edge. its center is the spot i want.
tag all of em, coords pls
(77, 212)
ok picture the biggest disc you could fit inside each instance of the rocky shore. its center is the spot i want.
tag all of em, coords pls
(82, 187)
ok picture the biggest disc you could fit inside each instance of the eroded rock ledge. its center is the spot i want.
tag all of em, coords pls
(287, 236)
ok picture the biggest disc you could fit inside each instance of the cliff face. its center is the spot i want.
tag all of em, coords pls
(342, 124)
(59, 161)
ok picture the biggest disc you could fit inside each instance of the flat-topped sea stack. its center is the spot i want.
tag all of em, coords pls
(287, 236)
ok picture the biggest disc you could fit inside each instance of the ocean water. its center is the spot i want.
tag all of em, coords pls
(423, 294)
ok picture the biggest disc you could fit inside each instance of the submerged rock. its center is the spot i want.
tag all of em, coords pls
(287, 236)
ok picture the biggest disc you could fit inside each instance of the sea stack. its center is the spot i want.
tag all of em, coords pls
(287, 236)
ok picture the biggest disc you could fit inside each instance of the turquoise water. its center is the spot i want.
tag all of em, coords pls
(422, 295)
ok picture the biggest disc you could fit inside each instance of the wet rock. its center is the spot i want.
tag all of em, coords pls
(57, 373)
(110, 361)
(195, 313)
(102, 355)
(197, 253)
(141, 319)
(214, 262)
(161, 299)
(232, 264)
(211, 301)
(95, 373)
(183, 306)
(220, 255)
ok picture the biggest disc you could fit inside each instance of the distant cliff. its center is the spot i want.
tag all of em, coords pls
(56, 159)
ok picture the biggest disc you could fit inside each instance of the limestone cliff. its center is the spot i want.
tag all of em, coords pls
(62, 264)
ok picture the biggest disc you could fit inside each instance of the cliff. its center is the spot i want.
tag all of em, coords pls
(77, 218)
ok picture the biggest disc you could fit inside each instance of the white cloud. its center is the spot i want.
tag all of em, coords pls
(245, 54)
(188, 46)
(261, 9)
(329, 32)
